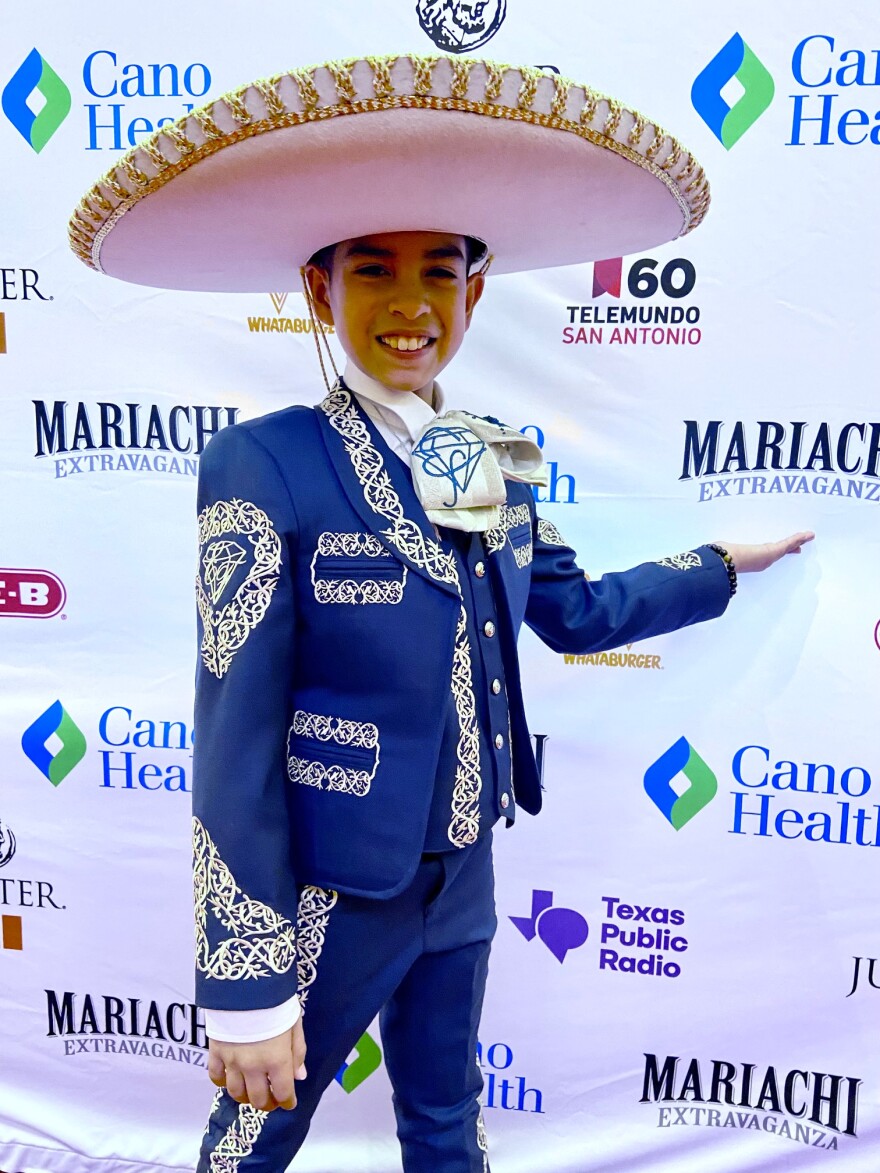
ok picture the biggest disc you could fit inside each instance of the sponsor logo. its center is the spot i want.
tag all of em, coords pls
(16, 893)
(644, 324)
(280, 324)
(57, 724)
(877, 634)
(806, 1107)
(769, 456)
(819, 119)
(510, 1093)
(7, 844)
(556, 479)
(11, 932)
(125, 437)
(679, 804)
(734, 75)
(2, 333)
(459, 26)
(21, 285)
(35, 74)
(561, 929)
(621, 659)
(858, 974)
(360, 1065)
(31, 594)
(92, 1024)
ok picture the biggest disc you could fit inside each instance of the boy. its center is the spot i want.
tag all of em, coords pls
(365, 567)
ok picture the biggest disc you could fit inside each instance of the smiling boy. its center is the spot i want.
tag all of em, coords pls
(365, 568)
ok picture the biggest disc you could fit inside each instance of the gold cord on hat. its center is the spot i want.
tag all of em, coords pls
(318, 329)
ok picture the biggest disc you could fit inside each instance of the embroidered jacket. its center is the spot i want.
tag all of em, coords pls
(332, 634)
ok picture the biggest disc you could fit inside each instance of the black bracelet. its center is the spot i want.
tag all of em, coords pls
(728, 565)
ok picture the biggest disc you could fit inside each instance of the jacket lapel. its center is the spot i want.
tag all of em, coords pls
(380, 491)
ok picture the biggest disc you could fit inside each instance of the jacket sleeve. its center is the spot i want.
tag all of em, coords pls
(572, 614)
(244, 877)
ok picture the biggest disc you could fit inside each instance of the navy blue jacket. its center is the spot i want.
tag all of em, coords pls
(332, 630)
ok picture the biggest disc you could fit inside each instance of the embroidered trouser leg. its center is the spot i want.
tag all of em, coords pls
(359, 954)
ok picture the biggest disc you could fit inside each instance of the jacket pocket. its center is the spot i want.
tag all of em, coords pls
(356, 569)
(332, 753)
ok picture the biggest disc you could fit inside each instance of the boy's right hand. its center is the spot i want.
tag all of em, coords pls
(260, 1074)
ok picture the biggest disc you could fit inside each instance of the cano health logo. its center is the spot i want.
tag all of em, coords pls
(368, 1058)
(735, 61)
(36, 74)
(680, 808)
(55, 722)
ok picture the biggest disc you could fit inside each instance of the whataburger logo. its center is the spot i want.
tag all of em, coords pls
(36, 75)
(734, 62)
(680, 808)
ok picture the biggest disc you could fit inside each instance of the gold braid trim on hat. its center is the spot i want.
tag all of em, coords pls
(475, 86)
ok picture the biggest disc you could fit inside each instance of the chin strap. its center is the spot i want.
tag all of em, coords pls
(319, 335)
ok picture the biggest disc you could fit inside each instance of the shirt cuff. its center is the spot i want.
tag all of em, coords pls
(251, 1026)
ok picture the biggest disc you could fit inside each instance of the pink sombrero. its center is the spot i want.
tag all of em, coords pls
(239, 194)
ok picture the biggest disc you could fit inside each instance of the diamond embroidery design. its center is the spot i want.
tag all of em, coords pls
(220, 562)
(450, 453)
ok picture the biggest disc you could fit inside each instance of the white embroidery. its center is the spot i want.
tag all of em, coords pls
(522, 555)
(483, 1142)
(341, 589)
(262, 941)
(511, 516)
(689, 560)
(549, 534)
(226, 629)
(312, 916)
(239, 1141)
(409, 539)
(346, 778)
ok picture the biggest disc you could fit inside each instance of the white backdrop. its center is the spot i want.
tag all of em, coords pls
(102, 1055)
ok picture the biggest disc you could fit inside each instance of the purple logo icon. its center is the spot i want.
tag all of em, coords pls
(560, 929)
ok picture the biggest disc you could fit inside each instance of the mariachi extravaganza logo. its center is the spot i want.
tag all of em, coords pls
(769, 456)
(732, 92)
(459, 26)
(31, 594)
(36, 75)
(107, 1025)
(806, 1107)
(646, 324)
(125, 437)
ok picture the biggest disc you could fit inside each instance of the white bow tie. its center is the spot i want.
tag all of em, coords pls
(460, 462)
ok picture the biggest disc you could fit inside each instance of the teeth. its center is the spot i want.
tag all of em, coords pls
(397, 342)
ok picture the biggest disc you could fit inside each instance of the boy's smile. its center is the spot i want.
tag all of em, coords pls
(400, 303)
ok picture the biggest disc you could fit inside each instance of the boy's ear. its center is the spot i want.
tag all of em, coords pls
(317, 282)
(475, 285)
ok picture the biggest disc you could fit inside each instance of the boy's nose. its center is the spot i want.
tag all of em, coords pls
(409, 304)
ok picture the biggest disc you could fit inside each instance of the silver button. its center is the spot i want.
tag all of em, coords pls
(505, 801)
(489, 628)
(480, 569)
(499, 741)
(496, 686)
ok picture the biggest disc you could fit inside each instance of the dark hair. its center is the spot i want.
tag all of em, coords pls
(475, 251)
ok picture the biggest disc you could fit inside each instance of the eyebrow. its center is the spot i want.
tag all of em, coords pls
(369, 250)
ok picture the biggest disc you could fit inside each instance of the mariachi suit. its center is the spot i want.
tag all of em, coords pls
(360, 729)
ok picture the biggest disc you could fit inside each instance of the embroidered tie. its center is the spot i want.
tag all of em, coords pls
(460, 462)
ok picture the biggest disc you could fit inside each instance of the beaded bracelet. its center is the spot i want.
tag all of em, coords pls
(728, 565)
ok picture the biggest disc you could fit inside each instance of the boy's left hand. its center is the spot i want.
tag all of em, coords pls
(746, 558)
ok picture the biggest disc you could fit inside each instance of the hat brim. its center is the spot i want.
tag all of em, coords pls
(239, 195)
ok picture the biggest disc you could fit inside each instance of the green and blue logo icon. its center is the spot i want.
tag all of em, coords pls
(369, 1058)
(680, 806)
(35, 74)
(735, 61)
(55, 722)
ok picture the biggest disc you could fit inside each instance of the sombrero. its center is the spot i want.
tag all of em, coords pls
(239, 194)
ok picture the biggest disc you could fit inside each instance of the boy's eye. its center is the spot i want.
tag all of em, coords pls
(441, 271)
(371, 270)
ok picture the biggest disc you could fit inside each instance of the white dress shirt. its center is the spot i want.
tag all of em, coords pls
(399, 416)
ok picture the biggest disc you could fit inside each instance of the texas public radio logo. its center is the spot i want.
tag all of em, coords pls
(113, 125)
(280, 324)
(787, 457)
(773, 797)
(634, 938)
(31, 594)
(804, 1106)
(113, 437)
(93, 1024)
(668, 322)
(822, 114)
(136, 754)
(460, 26)
(19, 893)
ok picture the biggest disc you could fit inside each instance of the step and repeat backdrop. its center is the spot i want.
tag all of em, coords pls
(677, 985)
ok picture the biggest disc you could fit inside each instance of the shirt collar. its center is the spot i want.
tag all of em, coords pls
(409, 410)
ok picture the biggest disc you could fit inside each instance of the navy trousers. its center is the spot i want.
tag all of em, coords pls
(420, 960)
